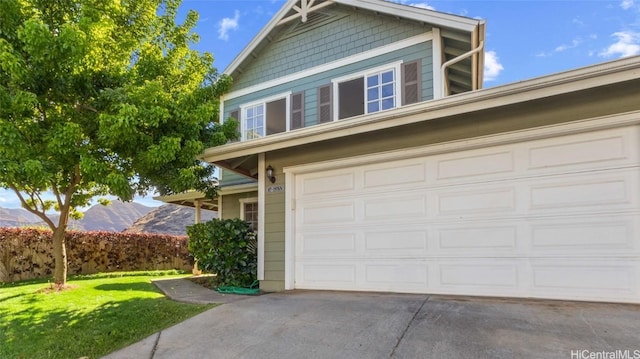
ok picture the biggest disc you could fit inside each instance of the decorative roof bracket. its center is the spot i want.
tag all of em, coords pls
(306, 7)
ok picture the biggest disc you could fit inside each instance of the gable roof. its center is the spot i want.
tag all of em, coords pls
(458, 35)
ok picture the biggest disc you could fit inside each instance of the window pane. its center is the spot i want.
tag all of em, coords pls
(373, 107)
(387, 77)
(372, 94)
(259, 110)
(351, 98)
(387, 104)
(250, 112)
(276, 116)
(387, 90)
(372, 81)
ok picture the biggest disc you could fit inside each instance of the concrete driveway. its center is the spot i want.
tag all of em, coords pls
(316, 324)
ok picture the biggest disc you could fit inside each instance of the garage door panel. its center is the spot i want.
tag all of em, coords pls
(328, 213)
(477, 201)
(586, 278)
(605, 235)
(586, 151)
(395, 242)
(472, 164)
(394, 208)
(404, 173)
(407, 276)
(478, 274)
(581, 193)
(321, 275)
(338, 181)
(326, 244)
(480, 238)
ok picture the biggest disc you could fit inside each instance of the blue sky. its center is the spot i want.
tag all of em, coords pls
(525, 39)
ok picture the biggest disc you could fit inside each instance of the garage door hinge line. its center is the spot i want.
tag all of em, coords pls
(408, 326)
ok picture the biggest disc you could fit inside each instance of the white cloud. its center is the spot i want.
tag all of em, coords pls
(626, 4)
(227, 24)
(492, 66)
(422, 5)
(575, 43)
(627, 44)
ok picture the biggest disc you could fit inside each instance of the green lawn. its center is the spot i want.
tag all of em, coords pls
(101, 314)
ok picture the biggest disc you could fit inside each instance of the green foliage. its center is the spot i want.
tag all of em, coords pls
(226, 248)
(104, 97)
(25, 253)
(99, 315)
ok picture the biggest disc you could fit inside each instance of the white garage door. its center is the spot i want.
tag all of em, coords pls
(552, 218)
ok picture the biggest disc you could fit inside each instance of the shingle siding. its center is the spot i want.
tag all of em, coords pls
(353, 32)
(310, 84)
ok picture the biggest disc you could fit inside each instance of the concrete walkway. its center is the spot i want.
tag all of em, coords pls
(321, 324)
(184, 290)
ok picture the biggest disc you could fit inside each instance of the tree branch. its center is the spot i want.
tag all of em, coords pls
(40, 214)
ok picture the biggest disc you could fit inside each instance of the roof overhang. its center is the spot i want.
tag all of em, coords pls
(538, 88)
(191, 199)
(199, 199)
(459, 35)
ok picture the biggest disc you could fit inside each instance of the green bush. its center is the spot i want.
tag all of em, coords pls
(226, 248)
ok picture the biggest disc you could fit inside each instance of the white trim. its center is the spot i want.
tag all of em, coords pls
(415, 40)
(244, 201)
(437, 63)
(414, 13)
(261, 202)
(221, 118)
(289, 230)
(556, 130)
(263, 102)
(587, 125)
(363, 74)
(239, 188)
(434, 18)
(593, 76)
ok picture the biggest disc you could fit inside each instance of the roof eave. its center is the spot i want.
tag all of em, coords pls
(418, 14)
(537, 88)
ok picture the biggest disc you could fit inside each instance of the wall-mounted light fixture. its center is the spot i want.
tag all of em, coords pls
(270, 175)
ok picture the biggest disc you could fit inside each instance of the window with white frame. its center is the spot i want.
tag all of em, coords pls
(372, 91)
(249, 212)
(276, 114)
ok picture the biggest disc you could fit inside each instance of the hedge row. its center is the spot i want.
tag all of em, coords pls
(27, 253)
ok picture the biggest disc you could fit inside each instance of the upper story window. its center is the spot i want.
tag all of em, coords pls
(270, 116)
(375, 90)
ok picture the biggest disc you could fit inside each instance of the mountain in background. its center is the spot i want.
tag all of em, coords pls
(17, 217)
(169, 219)
(115, 217)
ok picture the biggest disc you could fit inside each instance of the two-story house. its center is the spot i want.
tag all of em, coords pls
(371, 159)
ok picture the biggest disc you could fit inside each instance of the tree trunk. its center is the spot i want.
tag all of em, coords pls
(60, 256)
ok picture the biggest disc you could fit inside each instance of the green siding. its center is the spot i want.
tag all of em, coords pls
(302, 46)
(231, 204)
(310, 84)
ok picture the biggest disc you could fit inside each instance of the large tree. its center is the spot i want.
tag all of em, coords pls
(102, 97)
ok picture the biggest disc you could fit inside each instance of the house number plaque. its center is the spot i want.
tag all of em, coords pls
(274, 189)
